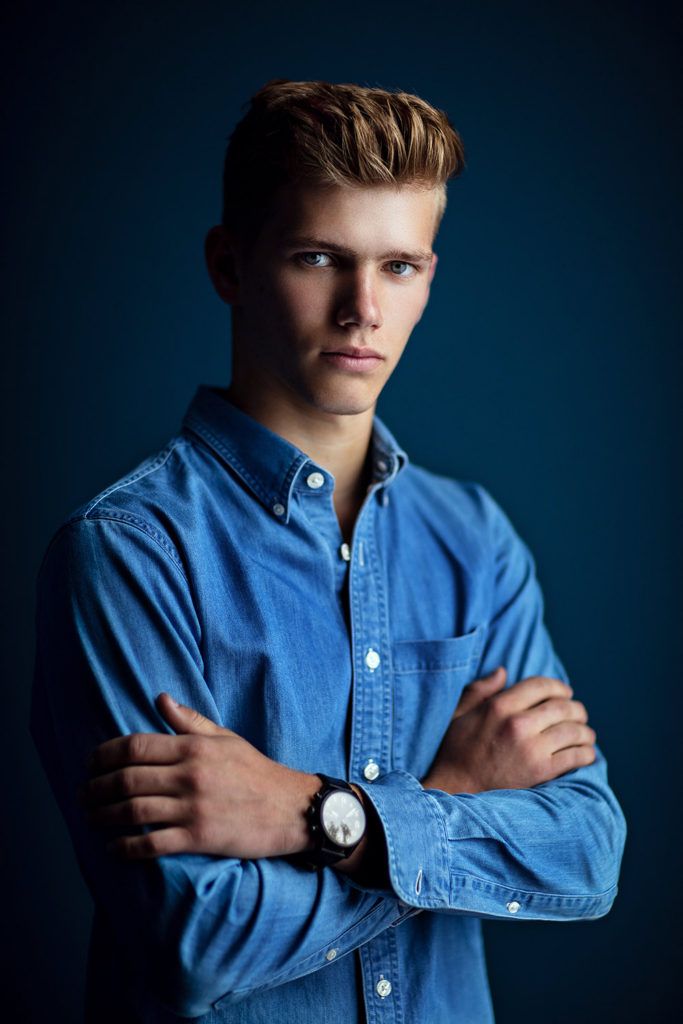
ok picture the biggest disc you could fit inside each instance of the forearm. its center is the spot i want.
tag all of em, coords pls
(551, 852)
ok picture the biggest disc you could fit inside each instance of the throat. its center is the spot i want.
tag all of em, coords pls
(347, 506)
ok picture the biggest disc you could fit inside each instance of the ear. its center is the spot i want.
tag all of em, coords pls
(220, 251)
(430, 276)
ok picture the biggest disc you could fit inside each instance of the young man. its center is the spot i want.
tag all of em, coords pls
(375, 744)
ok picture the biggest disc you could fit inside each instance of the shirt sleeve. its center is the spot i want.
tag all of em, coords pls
(551, 852)
(116, 625)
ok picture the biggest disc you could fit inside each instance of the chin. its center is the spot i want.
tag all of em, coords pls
(337, 403)
(344, 408)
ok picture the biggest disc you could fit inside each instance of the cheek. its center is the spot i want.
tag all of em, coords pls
(294, 302)
(403, 311)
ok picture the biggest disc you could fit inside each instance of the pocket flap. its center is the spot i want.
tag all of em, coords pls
(438, 655)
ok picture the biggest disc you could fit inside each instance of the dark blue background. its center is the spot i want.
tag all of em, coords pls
(547, 366)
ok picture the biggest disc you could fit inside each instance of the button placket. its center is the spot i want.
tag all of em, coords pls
(370, 745)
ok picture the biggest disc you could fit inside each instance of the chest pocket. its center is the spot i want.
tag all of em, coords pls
(428, 678)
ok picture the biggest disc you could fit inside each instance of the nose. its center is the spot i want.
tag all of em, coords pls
(359, 302)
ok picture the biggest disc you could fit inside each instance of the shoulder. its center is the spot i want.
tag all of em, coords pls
(466, 504)
(143, 508)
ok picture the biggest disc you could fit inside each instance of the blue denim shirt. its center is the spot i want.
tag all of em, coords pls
(217, 571)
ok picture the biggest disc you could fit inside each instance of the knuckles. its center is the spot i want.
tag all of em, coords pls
(196, 777)
(126, 782)
(516, 727)
(135, 746)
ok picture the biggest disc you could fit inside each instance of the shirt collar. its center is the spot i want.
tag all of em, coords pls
(267, 463)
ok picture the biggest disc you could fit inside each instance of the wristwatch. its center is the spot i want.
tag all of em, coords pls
(337, 823)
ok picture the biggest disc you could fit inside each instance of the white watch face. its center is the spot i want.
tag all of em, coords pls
(343, 818)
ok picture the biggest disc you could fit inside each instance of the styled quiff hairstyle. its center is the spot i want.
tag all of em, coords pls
(321, 133)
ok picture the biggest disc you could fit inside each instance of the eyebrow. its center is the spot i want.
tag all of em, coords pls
(321, 245)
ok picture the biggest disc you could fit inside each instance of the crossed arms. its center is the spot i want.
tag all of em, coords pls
(204, 916)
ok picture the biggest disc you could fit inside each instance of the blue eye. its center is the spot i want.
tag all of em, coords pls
(400, 263)
(304, 256)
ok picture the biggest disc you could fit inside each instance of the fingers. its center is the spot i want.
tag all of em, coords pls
(154, 844)
(137, 748)
(531, 691)
(140, 810)
(132, 781)
(480, 690)
(568, 734)
(557, 709)
(185, 719)
(570, 758)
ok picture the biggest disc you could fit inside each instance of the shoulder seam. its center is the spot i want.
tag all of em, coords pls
(128, 519)
(148, 467)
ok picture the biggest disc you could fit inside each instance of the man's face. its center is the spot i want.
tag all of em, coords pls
(335, 271)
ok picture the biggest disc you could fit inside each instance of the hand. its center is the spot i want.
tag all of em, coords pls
(511, 739)
(209, 789)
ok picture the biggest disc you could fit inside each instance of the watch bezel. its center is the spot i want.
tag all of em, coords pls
(348, 847)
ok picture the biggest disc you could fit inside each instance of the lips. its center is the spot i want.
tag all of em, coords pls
(354, 353)
(353, 360)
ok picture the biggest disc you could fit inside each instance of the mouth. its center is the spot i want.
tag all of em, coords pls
(357, 360)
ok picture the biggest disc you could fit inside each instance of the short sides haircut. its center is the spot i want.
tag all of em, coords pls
(321, 133)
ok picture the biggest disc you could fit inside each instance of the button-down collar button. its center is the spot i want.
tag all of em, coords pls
(315, 480)
(345, 552)
(383, 987)
(372, 659)
(331, 954)
(382, 466)
(279, 509)
(513, 906)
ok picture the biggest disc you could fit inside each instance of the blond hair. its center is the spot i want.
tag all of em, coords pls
(334, 134)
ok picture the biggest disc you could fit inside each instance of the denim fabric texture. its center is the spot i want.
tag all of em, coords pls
(216, 571)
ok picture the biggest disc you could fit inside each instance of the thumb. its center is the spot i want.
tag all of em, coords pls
(479, 690)
(186, 720)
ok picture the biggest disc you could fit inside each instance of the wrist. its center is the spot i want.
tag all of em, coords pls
(302, 788)
(368, 864)
(451, 782)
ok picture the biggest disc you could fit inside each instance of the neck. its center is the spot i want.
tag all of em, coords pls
(337, 443)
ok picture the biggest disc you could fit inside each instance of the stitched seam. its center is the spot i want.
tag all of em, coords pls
(138, 524)
(159, 461)
(229, 454)
(534, 893)
(432, 668)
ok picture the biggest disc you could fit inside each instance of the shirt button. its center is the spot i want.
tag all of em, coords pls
(345, 552)
(331, 954)
(513, 907)
(315, 480)
(371, 770)
(382, 466)
(372, 659)
(279, 509)
(383, 987)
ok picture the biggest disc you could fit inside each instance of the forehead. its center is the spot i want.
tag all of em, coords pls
(363, 218)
